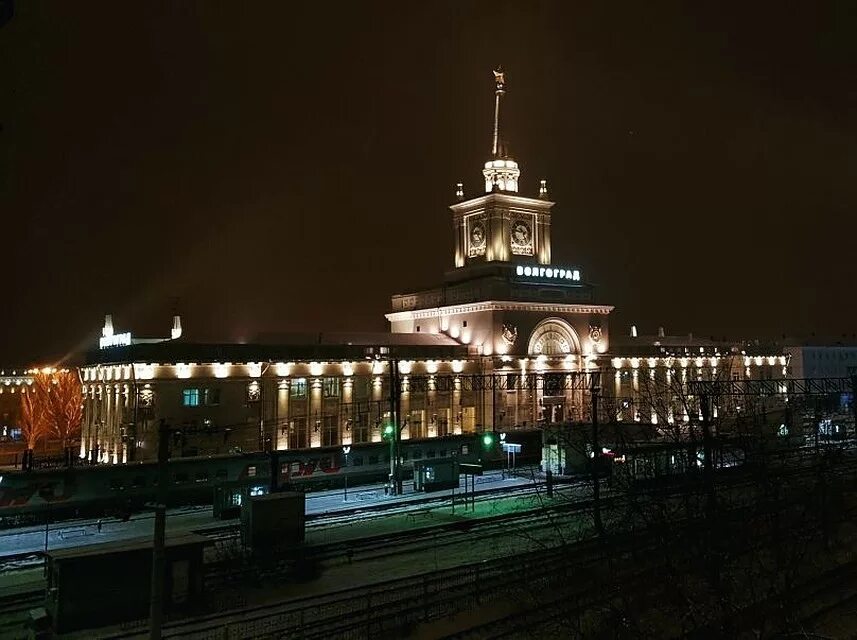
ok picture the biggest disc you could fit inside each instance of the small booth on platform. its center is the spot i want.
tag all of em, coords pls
(437, 474)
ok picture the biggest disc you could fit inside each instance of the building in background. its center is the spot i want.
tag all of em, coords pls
(821, 358)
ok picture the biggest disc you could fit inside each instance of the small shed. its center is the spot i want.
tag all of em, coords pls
(274, 521)
(108, 583)
(434, 475)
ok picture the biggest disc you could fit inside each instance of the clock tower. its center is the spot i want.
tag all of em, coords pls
(501, 225)
(503, 297)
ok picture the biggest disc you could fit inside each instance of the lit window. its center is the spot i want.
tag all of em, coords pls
(331, 387)
(251, 471)
(190, 397)
(212, 397)
(299, 388)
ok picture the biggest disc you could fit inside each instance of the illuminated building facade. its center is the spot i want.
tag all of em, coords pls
(499, 345)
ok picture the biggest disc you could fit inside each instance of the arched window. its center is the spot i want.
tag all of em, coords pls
(553, 337)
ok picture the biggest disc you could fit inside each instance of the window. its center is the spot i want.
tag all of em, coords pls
(442, 422)
(331, 387)
(511, 381)
(418, 328)
(418, 454)
(554, 384)
(299, 388)
(362, 388)
(416, 426)
(464, 324)
(190, 397)
(360, 428)
(251, 471)
(330, 431)
(212, 397)
(298, 434)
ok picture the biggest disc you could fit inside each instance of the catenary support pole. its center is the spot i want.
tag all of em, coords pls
(595, 390)
(156, 611)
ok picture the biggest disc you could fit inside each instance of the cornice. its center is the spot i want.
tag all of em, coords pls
(505, 198)
(498, 305)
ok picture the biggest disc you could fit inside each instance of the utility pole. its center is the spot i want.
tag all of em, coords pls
(396, 441)
(708, 454)
(595, 389)
(712, 555)
(346, 450)
(156, 612)
(853, 403)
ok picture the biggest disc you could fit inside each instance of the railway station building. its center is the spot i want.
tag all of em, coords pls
(504, 342)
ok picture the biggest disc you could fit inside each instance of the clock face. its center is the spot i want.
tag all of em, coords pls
(477, 235)
(521, 232)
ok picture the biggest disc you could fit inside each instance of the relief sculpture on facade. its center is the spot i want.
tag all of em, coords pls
(509, 334)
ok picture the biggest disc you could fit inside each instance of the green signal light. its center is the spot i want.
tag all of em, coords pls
(388, 431)
(488, 439)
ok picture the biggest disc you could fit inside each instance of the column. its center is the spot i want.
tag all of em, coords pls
(347, 416)
(405, 408)
(315, 418)
(282, 422)
(455, 405)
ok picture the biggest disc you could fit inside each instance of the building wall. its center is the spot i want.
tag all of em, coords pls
(484, 329)
(834, 361)
(260, 406)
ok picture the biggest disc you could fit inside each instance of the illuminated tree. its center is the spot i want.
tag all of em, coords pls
(35, 423)
(52, 405)
(65, 402)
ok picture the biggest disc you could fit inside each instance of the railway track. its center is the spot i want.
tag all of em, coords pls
(451, 533)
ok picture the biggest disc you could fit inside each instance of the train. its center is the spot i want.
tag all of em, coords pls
(223, 481)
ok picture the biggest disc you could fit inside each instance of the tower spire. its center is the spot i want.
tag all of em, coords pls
(497, 150)
(501, 172)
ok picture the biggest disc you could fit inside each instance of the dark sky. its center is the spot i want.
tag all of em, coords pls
(283, 166)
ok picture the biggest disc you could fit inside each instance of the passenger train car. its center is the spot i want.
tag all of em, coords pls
(122, 489)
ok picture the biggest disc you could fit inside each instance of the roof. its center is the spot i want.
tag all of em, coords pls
(689, 345)
(656, 345)
(820, 342)
(364, 339)
(322, 347)
(120, 546)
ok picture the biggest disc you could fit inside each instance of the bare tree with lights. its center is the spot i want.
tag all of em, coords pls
(35, 420)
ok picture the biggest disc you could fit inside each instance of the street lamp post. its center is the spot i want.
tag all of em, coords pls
(346, 450)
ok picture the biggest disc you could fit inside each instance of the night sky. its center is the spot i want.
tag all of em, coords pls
(285, 166)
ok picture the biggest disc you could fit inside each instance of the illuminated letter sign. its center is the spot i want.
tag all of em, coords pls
(551, 273)
(115, 340)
